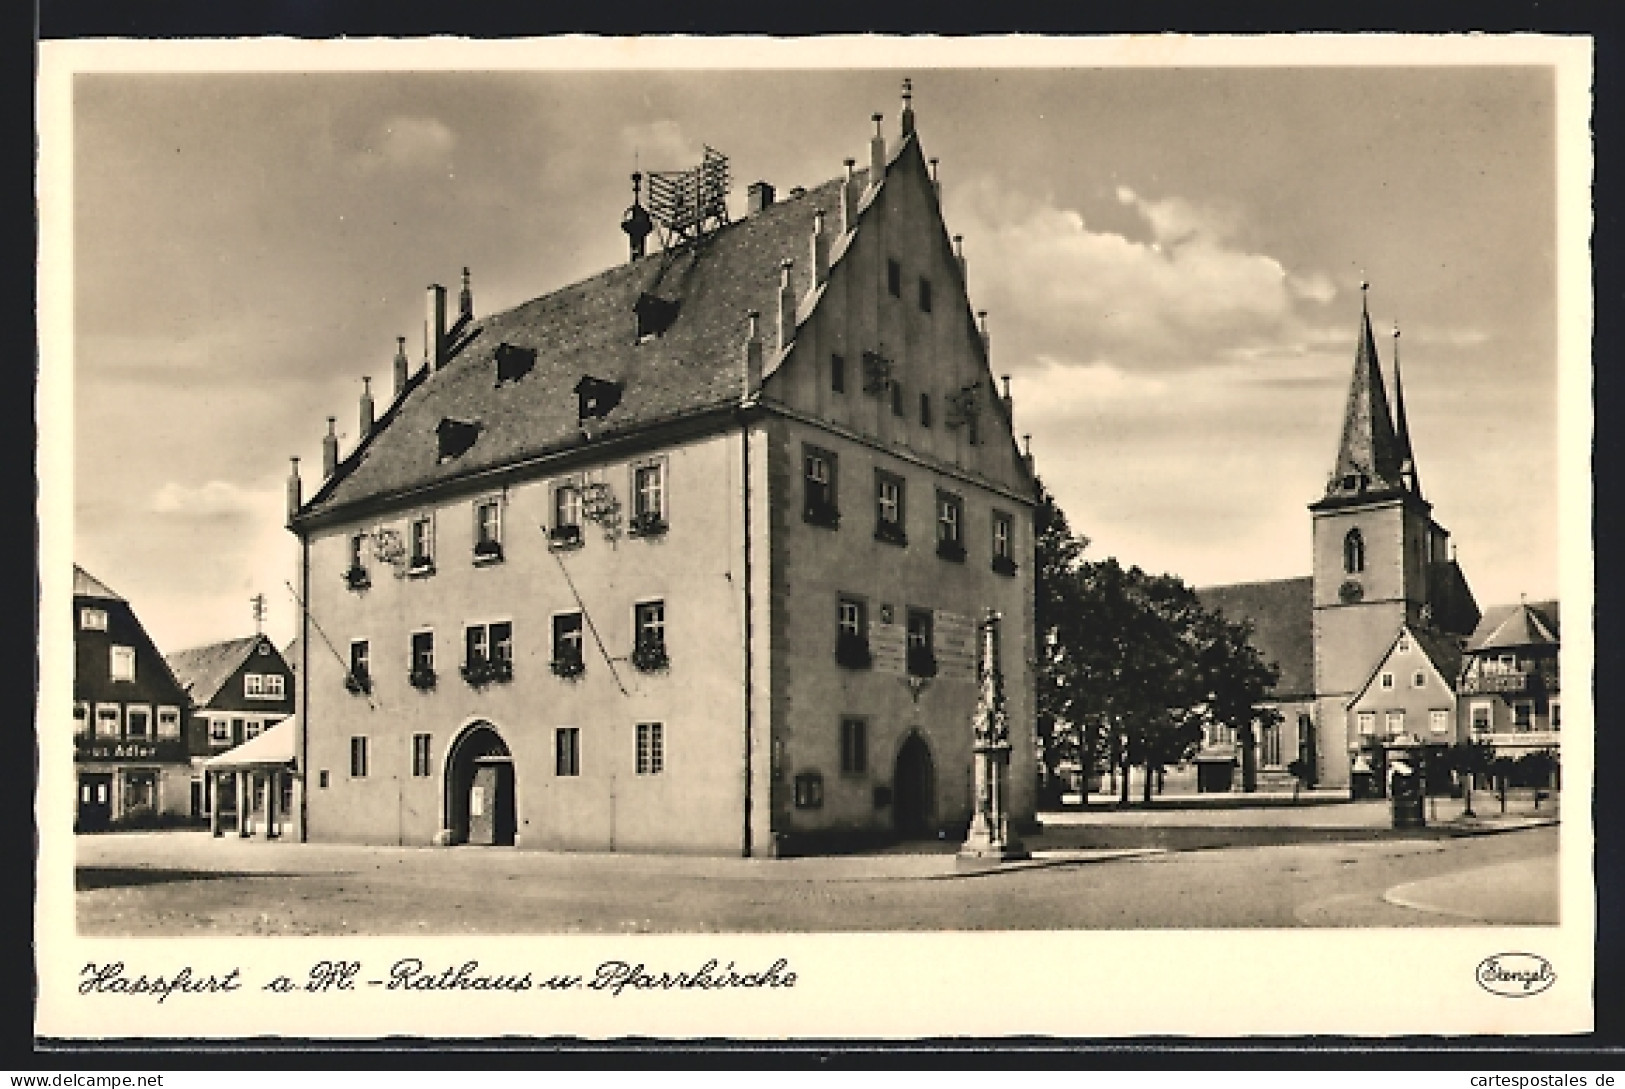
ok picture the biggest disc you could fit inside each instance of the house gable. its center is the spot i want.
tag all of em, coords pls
(1411, 655)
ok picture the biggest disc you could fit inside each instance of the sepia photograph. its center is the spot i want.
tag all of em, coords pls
(700, 524)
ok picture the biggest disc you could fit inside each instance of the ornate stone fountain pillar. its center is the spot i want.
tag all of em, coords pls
(990, 837)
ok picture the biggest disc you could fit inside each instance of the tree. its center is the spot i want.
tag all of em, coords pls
(1300, 772)
(1057, 550)
(1469, 759)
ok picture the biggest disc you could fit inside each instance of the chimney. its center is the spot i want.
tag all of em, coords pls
(366, 407)
(401, 367)
(877, 154)
(1009, 402)
(908, 108)
(987, 347)
(849, 199)
(295, 496)
(465, 300)
(1027, 451)
(758, 196)
(330, 449)
(936, 183)
(959, 255)
(820, 250)
(787, 306)
(753, 355)
(434, 328)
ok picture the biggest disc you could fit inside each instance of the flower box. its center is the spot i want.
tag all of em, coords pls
(950, 549)
(921, 662)
(647, 524)
(569, 667)
(1004, 565)
(356, 578)
(564, 536)
(359, 684)
(891, 533)
(852, 651)
(650, 657)
(822, 514)
(483, 671)
(487, 551)
(422, 678)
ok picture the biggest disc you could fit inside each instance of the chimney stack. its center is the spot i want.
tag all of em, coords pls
(330, 449)
(753, 355)
(366, 406)
(434, 328)
(877, 154)
(1027, 451)
(820, 250)
(908, 108)
(758, 196)
(987, 346)
(401, 367)
(787, 306)
(465, 300)
(1009, 402)
(849, 199)
(295, 495)
(959, 255)
(936, 183)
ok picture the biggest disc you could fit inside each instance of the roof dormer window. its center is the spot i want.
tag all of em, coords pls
(596, 397)
(655, 315)
(513, 363)
(455, 437)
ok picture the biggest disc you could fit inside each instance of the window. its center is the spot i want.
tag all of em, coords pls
(1523, 715)
(122, 663)
(852, 633)
(894, 278)
(422, 674)
(922, 659)
(1482, 718)
(818, 477)
(422, 544)
(1404, 646)
(1419, 679)
(950, 527)
(1271, 746)
(1556, 709)
(1439, 721)
(358, 757)
(420, 756)
(651, 757)
(889, 508)
(252, 728)
(649, 636)
(566, 516)
(1368, 723)
(568, 660)
(488, 530)
(81, 717)
(140, 790)
(854, 746)
(567, 751)
(809, 790)
(1004, 546)
(239, 731)
(1353, 552)
(360, 676)
(109, 720)
(93, 619)
(925, 295)
(253, 685)
(322, 779)
(489, 652)
(138, 723)
(837, 373)
(355, 576)
(1395, 723)
(648, 500)
(1387, 680)
(219, 731)
(897, 398)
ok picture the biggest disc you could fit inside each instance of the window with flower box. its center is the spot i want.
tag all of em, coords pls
(356, 576)
(649, 636)
(109, 720)
(488, 531)
(852, 633)
(422, 675)
(568, 659)
(648, 500)
(566, 531)
(819, 481)
(889, 508)
(489, 653)
(921, 649)
(421, 554)
(1004, 544)
(950, 527)
(359, 679)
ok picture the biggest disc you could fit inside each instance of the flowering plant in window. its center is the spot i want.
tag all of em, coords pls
(356, 578)
(568, 665)
(1004, 565)
(422, 677)
(649, 655)
(921, 662)
(358, 682)
(482, 671)
(852, 650)
(822, 512)
(890, 532)
(647, 523)
(488, 550)
(950, 548)
(565, 536)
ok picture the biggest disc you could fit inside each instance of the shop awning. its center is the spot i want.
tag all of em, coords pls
(275, 747)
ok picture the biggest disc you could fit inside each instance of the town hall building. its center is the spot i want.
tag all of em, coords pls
(689, 556)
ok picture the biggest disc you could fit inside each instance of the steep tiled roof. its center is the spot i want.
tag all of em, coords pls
(1368, 450)
(87, 585)
(202, 670)
(1526, 624)
(590, 329)
(1454, 609)
(1443, 650)
(1282, 615)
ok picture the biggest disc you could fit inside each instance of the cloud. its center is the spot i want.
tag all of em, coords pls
(217, 498)
(408, 141)
(661, 145)
(1184, 296)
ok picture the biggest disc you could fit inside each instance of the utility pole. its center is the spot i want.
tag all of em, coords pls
(258, 601)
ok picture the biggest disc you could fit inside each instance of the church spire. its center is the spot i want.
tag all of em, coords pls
(1402, 433)
(1368, 456)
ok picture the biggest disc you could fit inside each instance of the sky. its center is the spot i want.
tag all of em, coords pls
(1170, 259)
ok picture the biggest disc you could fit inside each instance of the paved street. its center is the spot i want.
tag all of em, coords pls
(1096, 869)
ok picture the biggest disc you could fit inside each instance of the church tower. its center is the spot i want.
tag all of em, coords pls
(1379, 557)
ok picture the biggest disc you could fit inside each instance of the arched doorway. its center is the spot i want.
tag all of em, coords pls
(914, 808)
(479, 789)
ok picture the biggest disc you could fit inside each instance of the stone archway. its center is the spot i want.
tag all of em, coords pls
(914, 802)
(479, 783)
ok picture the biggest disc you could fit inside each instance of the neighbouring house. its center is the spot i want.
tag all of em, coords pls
(239, 688)
(131, 756)
(1408, 705)
(265, 772)
(630, 567)
(1511, 695)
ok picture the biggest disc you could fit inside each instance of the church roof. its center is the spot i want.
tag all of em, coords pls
(87, 585)
(1402, 431)
(1526, 624)
(1369, 453)
(1282, 615)
(590, 329)
(202, 670)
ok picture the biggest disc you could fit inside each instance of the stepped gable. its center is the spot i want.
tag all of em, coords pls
(590, 329)
(1282, 615)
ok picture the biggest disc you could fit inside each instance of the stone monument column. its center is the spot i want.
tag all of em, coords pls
(989, 837)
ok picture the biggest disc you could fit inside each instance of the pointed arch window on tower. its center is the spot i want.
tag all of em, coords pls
(1353, 552)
